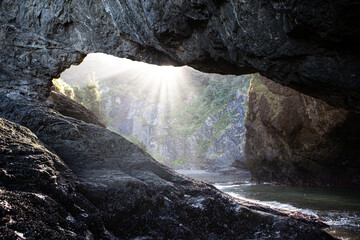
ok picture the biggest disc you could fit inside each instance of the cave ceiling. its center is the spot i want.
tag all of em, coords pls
(309, 45)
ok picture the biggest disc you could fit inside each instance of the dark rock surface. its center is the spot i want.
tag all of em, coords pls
(115, 185)
(39, 197)
(309, 45)
(296, 139)
(68, 107)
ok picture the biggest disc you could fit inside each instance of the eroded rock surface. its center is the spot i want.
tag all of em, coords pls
(39, 195)
(121, 187)
(296, 139)
(310, 45)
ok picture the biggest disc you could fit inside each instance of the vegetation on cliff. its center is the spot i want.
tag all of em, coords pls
(176, 115)
(88, 96)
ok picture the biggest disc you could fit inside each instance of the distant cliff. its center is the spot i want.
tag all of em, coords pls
(200, 130)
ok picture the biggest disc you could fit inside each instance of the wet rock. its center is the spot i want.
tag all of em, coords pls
(39, 195)
(126, 190)
(309, 45)
(296, 139)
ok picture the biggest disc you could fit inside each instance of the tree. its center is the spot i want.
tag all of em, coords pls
(89, 97)
(63, 87)
(78, 95)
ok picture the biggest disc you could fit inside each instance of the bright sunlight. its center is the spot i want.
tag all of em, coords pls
(180, 116)
(161, 83)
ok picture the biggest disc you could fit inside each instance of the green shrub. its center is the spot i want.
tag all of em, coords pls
(63, 87)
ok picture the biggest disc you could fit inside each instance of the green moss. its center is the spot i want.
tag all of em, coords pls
(224, 121)
(274, 100)
(180, 161)
(63, 87)
(203, 146)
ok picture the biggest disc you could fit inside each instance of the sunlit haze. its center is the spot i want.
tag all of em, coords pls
(161, 83)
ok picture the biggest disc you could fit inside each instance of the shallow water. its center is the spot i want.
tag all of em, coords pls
(337, 207)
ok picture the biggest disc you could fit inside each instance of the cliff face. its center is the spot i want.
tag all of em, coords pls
(309, 45)
(216, 145)
(296, 139)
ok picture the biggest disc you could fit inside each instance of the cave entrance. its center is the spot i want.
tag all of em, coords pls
(184, 118)
(190, 120)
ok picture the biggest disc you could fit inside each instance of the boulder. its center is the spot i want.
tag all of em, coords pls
(68, 107)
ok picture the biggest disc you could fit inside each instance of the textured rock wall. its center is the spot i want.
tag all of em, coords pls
(39, 194)
(309, 45)
(226, 146)
(296, 139)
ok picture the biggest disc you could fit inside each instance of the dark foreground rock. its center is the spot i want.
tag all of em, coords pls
(39, 197)
(309, 45)
(296, 139)
(114, 189)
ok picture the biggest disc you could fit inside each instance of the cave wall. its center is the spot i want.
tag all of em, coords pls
(308, 45)
(295, 139)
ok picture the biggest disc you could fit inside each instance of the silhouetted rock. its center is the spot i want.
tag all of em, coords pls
(68, 107)
(296, 139)
(309, 45)
(119, 187)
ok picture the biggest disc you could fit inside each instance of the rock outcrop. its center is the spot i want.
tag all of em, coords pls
(39, 194)
(114, 189)
(296, 139)
(68, 107)
(309, 45)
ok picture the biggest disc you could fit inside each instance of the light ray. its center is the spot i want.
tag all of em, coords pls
(161, 85)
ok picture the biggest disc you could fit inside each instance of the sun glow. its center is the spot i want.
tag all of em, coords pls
(163, 81)
(158, 84)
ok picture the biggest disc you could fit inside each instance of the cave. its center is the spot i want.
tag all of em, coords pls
(65, 177)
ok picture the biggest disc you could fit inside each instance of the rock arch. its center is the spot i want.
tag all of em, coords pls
(307, 45)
